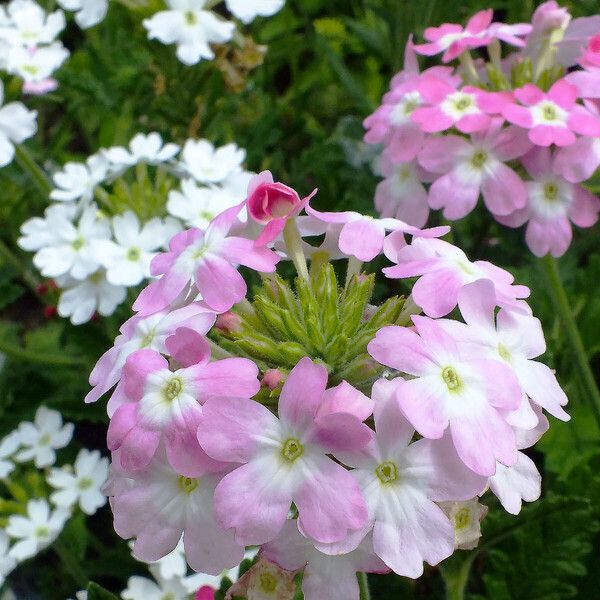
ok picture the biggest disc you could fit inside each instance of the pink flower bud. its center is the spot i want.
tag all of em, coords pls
(50, 312)
(591, 55)
(269, 200)
(228, 322)
(272, 378)
(205, 593)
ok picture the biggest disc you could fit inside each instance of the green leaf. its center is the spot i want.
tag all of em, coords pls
(96, 592)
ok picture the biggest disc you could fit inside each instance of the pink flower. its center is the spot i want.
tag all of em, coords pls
(451, 390)
(444, 269)
(553, 117)
(157, 505)
(206, 260)
(470, 168)
(453, 40)
(331, 577)
(401, 483)
(143, 332)
(362, 236)
(285, 460)
(514, 338)
(552, 203)
(272, 204)
(165, 404)
(578, 161)
(205, 593)
(467, 109)
(591, 55)
(577, 36)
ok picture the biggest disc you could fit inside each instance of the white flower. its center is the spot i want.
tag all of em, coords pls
(247, 10)
(208, 164)
(191, 27)
(172, 565)
(29, 25)
(37, 530)
(8, 447)
(71, 252)
(39, 232)
(36, 65)
(142, 588)
(16, 125)
(7, 562)
(127, 261)
(41, 438)
(199, 580)
(81, 299)
(88, 12)
(198, 206)
(81, 595)
(82, 483)
(142, 148)
(78, 180)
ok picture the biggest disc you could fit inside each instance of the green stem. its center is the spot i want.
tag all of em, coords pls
(469, 69)
(54, 360)
(29, 165)
(354, 267)
(561, 302)
(72, 565)
(455, 573)
(363, 586)
(293, 242)
(26, 275)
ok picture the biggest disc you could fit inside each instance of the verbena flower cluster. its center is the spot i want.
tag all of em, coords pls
(518, 129)
(338, 433)
(111, 215)
(42, 497)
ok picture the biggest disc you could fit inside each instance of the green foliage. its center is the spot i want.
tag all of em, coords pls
(96, 592)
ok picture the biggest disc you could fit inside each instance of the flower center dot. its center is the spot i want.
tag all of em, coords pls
(85, 483)
(268, 582)
(551, 191)
(387, 472)
(172, 389)
(292, 450)
(188, 484)
(133, 254)
(479, 159)
(190, 17)
(45, 440)
(549, 112)
(463, 103)
(42, 532)
(462, 518)
(78, 243)
(451, 378)
(504, 352)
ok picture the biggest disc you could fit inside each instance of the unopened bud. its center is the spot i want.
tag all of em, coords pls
(205, 593)
(228, 322)
(50, 312)
(272, 378)
(466, 518)
(264, 581)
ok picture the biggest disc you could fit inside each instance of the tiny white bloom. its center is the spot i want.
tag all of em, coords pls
(88, 12)
(247, 10)
(208, 164)
(8, 447)
(142, 148)
(172, 565)
(81, 595)
(36, 65)
(29, 25)
(16, 125)
(191, 27)
(79, 180)
(81, 299)
(7, 562)
(37, 530)
(41, 438)
(40, 232)
(82, 484)
(142, 588)
(127, 259)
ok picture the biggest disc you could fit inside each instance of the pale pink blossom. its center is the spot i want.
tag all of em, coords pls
(285, 460)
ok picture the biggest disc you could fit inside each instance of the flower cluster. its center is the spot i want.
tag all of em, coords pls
(31, 523)
(338, 435)
(28, 45)
(112, 214)
(515, 129)
(193, 27)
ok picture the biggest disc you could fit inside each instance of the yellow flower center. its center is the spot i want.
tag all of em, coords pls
(387, 472)
(188, 484)
(292, 450)
(451, 379)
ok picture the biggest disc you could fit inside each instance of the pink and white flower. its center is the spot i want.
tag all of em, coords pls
(470, 168)
(443, 270)
(579, 161)
(207, 261)
(166, 405)
(449, 389)
(285, 460)
(553, 117)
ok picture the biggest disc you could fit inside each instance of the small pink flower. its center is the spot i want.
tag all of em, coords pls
(205, 593)
(468, 109)
(591, 55)
(272, 204)
(166, 405)
(469, 169)
(39, 88)
(206, 261)
(552, 204)
(449, 389)
(444, 270)
(579, 161)
(553, 117)
(285, 460)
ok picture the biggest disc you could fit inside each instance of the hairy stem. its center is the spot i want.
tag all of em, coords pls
(363, 586)
(32, 169)
(71, 564)
(293, 242)
(455, 573)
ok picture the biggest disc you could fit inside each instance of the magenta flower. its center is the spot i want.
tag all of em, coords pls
(157, 505)
(165, 404)
(272, 204)
(143, 332)
(206, 260)
(451, 390)
(402, 482)
(443, 270)
(285, 460)
(591, 55)
(470, 168)
(468, 109)
(553, 117)
(552, 204)
(330, 576)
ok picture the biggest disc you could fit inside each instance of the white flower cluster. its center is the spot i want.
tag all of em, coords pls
(87, 12)
(16, 125)
(27, 534)
(193, 26)
(94, 252)
(28, 45)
